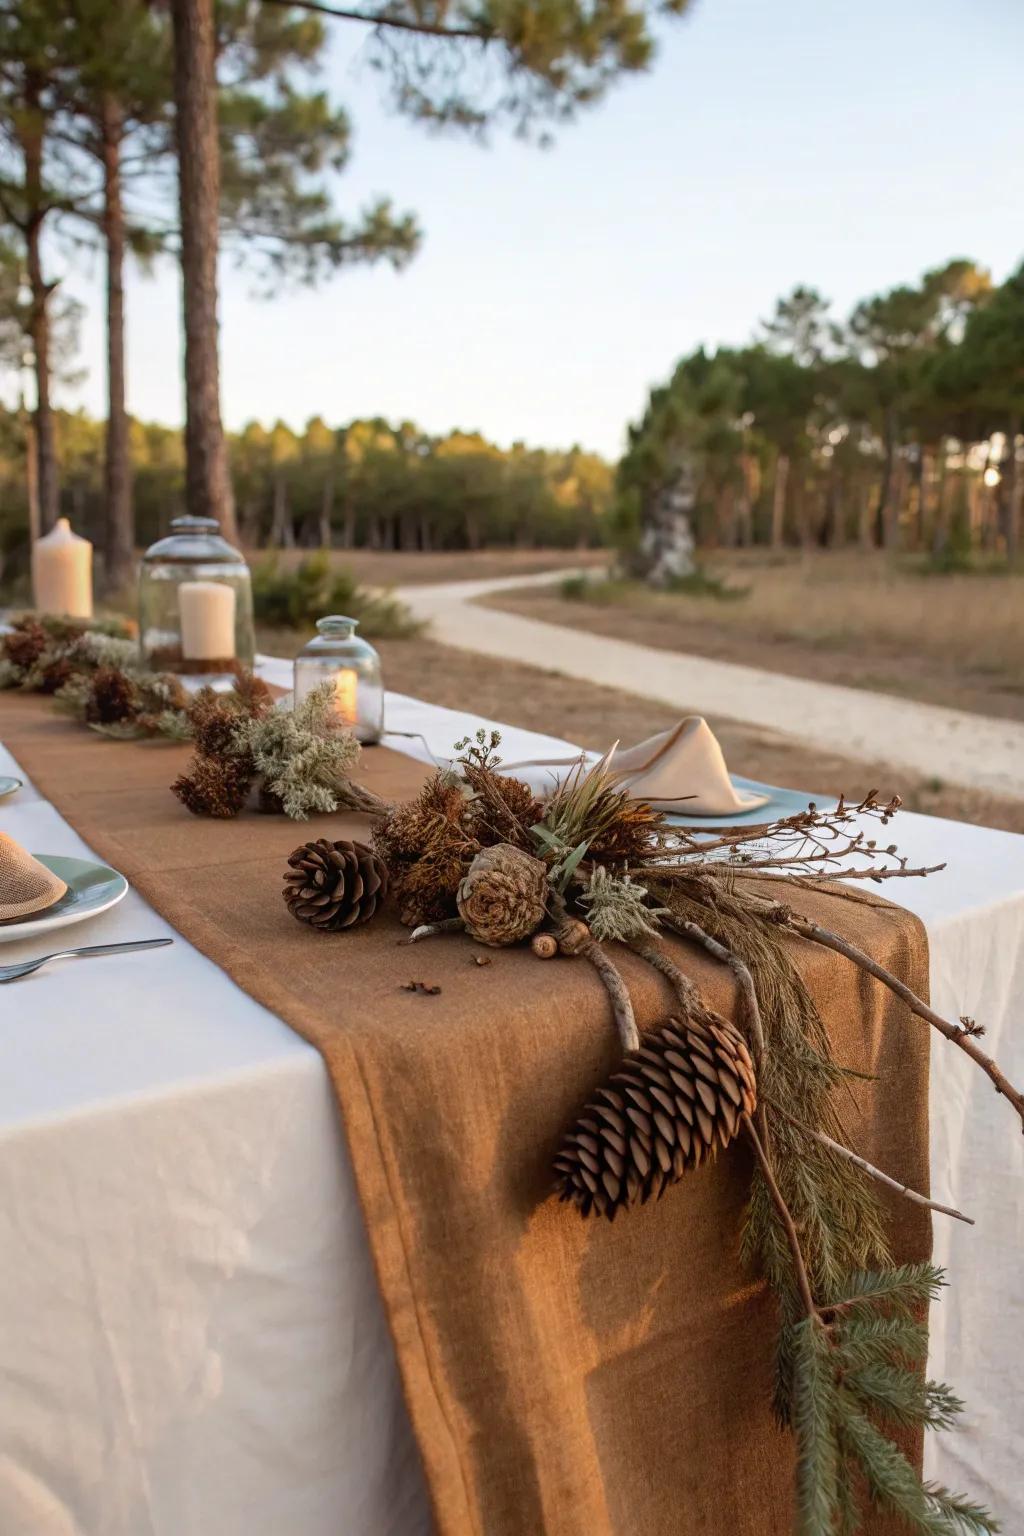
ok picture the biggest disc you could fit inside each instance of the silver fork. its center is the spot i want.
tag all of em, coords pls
(26, 967)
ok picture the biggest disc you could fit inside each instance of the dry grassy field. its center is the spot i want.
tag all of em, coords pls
(399, 569)
(853, 618)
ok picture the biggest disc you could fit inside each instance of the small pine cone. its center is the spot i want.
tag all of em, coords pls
(335, 885)
(503, 897)
(667, 1107)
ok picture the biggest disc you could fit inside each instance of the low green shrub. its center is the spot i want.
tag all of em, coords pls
(295, 599)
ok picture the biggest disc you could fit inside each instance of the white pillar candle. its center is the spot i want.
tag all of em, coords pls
(207, 613)
(62, 572)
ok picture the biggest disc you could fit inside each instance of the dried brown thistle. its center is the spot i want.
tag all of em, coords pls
(25, 644)
(112, 697)
(214, 786)
(427, 849)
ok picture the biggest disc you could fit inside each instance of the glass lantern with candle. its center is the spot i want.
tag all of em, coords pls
(195, 602)
(337, 655)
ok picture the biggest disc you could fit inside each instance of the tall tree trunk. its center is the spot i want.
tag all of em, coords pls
(207, 479)
(865, 517)
(779, 500)
(31, 472)
(326, 510)
(1013, 488)
(119, 524)
(47, 478)
(940, 523)
(282, 534)
(888, 509)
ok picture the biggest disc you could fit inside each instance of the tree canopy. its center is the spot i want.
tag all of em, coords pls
(899, 424)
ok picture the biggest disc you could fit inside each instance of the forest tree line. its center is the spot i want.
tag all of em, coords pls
(897, 427)
(367, 485)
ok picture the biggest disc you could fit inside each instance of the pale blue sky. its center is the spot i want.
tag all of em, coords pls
(846, 145)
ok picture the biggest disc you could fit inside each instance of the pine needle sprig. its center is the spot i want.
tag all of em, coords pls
(904, 1290)
(813, 1421)
(962, 1516)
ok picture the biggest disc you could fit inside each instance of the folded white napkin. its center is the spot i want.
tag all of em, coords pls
(26, 886)
(682, 769)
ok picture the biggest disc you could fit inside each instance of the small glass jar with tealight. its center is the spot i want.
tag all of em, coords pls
(337, 655)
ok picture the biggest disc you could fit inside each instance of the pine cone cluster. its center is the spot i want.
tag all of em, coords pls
(670, 1105)
(334, 885)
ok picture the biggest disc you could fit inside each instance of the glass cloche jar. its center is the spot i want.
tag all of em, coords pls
(195, 602)
(337, 655)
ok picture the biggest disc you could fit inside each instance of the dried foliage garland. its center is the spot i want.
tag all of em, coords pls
(466, 854)
(298, 759)
(93, 670)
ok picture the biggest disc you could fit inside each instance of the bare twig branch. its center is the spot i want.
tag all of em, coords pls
(622, 1007)
(382, 19)
(785, 1216)
(963, 1035)
(615, 986)
(870, 1169)
(891, 1183)
(681, 984)
(744, 980)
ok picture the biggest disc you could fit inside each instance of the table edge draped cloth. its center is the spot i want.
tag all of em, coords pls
(562, 1376)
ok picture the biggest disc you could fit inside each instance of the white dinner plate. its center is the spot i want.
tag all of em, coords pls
(91, 888)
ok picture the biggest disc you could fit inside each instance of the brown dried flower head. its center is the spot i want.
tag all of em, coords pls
(214, 787)
(25, 644)
(503, 897)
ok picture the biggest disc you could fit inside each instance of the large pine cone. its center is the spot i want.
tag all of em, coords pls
(667, 1107)
(335, 885)
(503, 897)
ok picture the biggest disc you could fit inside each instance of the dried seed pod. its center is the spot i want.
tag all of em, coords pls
(573, 936)
(544, 946)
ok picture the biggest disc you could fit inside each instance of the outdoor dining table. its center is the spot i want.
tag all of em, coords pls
(192, 1342)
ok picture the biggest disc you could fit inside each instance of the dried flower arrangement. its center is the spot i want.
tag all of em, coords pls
(298, 759)
(93, 670)
(475, 852)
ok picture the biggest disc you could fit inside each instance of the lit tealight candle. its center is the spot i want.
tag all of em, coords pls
(207, 613)
(345, 688)
(62, 572)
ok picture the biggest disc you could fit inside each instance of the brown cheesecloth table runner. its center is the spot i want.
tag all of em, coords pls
(564, 1378)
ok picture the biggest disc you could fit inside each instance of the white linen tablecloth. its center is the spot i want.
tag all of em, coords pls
(191, 1338)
